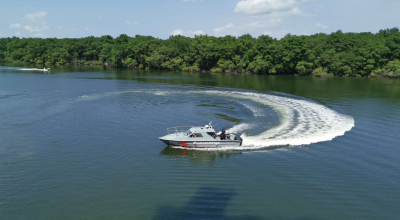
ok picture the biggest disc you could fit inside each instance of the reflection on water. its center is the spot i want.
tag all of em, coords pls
(227, 118)
(207, 203)
(197, 156)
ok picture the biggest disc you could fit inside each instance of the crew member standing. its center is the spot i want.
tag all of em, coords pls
(222, 135)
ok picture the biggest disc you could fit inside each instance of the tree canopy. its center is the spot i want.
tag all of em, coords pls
(338, 53)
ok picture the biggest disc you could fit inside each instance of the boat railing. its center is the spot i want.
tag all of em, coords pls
(179, 129)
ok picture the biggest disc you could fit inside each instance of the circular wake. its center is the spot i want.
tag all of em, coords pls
(301, 122)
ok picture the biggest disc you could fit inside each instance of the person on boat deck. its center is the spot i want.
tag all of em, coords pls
(222, 135)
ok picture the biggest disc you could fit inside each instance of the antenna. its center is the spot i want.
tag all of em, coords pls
(211, 125)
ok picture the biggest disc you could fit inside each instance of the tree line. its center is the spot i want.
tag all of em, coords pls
(338, 53)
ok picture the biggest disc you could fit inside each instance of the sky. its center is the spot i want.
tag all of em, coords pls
(163, 18)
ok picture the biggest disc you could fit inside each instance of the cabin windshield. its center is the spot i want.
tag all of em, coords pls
(187, 133)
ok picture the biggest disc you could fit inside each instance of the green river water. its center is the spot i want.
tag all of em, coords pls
(82, 143)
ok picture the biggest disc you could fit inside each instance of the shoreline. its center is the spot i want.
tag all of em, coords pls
(208, 71)
(322, 55)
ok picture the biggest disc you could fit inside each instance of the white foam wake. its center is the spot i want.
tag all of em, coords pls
(256, 111)
(33, 69)
(301, 122)
(240, 128)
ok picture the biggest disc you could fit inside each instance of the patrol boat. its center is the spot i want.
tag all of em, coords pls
(199, 137)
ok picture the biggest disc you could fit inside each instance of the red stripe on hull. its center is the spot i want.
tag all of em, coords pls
(191, 147)
(199, 147)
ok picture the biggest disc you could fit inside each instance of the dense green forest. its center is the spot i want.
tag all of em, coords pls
(339, 54)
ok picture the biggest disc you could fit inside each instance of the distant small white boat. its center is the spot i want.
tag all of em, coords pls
(36, 69)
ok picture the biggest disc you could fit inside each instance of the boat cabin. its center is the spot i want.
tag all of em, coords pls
(196, 132)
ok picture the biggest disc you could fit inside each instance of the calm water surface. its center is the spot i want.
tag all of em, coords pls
(83, 143)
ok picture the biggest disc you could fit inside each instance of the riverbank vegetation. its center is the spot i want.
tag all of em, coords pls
(335, 54)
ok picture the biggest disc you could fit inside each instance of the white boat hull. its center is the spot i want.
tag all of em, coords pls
(200, 137)
(203, 144)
